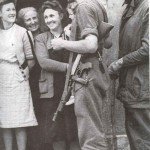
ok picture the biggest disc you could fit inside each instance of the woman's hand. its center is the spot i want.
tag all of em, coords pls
(31, 63)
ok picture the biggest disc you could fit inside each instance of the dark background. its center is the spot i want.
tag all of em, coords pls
(35, 3)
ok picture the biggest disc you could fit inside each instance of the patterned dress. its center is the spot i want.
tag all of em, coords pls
(16, 108)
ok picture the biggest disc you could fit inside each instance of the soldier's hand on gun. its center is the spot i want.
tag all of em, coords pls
(57, 44)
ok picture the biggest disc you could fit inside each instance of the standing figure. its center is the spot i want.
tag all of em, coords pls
(90, 93)
(51, 83)
(133, 69)
(28, 18)
(16, 108)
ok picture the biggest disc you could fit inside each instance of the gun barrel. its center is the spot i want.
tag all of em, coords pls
(62, 103)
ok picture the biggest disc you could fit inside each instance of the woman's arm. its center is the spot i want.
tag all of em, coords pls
(28, 50)
(43, 57)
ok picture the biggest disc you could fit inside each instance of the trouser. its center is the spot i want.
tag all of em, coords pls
(89, 103)
(88, 110)
(137, 124)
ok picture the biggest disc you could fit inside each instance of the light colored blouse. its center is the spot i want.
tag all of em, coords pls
(17, 40)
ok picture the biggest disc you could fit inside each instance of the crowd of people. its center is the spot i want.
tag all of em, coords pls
(35, 49)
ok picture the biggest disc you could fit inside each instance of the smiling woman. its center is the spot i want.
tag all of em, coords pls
(52, 77)
(8, 14)
(28, 17)
(16, 108)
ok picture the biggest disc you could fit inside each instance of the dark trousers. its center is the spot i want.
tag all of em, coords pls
(44, 146)
(42, 136)
(137, 123)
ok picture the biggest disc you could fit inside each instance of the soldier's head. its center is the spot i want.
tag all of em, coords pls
(71, 9)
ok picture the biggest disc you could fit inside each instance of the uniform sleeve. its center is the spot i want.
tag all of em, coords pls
(27, 46)
(86, 19)
(43, 57)
(142, 54)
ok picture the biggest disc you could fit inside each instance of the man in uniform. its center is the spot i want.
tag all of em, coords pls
(90, 33)
(134, 75)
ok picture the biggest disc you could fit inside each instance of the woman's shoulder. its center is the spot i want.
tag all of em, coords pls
(19, 28)
(43, 36)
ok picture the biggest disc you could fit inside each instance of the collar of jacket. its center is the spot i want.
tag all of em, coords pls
(130, 9)
(131, 6)
(132, 3)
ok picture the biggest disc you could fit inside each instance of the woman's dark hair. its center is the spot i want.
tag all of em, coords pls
(54, 4)
(3, 2)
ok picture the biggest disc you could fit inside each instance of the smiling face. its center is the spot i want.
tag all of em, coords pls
(52, 19)
(8, 13)
(31, 21)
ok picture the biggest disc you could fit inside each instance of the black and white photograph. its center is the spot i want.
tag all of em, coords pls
(74, 75)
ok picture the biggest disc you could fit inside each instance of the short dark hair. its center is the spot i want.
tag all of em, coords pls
(70, 1)
(54, 4)
(3, 2)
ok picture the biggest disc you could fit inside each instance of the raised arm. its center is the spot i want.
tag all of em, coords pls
(43, 57)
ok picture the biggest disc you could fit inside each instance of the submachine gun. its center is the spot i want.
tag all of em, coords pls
(71, 78)
(104, 29)
(67, 89)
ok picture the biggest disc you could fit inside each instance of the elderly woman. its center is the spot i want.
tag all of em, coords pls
(16, 109)
(28, 18)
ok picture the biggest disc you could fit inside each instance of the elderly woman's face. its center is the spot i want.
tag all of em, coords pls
(31, 21)
(52, 19)
(8, 13)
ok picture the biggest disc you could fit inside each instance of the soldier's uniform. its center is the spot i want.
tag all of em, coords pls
(89, 98)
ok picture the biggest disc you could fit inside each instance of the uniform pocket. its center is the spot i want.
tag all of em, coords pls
(43, 86)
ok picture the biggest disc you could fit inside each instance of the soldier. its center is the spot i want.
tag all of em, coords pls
(134, 77)
(87, 29)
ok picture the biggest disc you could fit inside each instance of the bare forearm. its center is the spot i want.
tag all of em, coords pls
(87, 45)
(78, 46)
